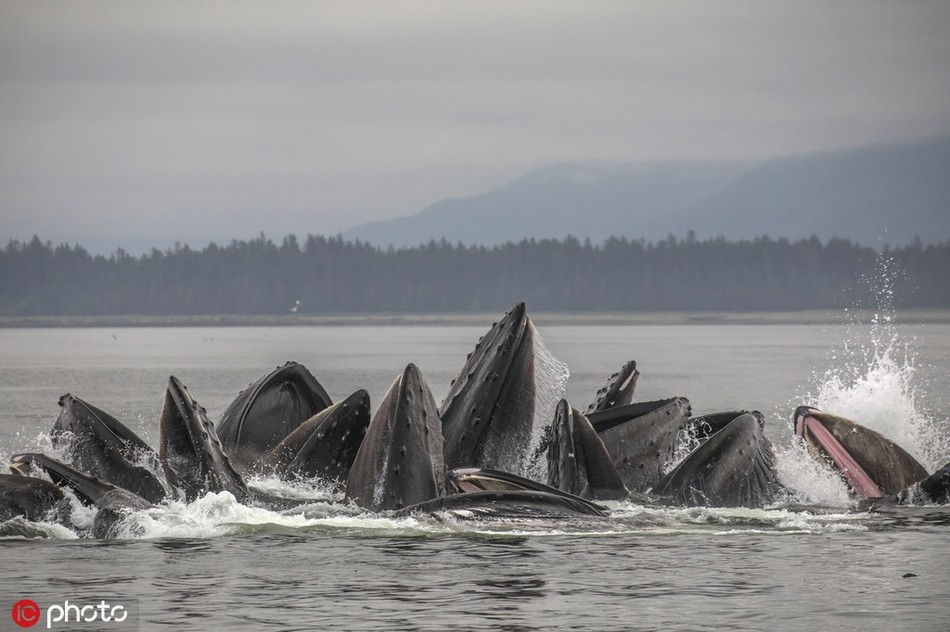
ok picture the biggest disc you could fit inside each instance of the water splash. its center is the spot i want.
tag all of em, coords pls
(808, 481)
(879, 392)
(23, 529)
(297, 489)
(214, 514)
(774, 520)
(873, 378)
(81, 516)
(550, 383)
(687, 441)
(220, 514)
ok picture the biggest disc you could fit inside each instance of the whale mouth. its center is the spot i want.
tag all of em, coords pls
(477, 479)
(21, 465)
(817, 436)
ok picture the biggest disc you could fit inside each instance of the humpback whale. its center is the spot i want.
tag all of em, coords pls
(468, 480)
(640, 438)
(488, 415)
(267, 412)
(873, 466)
(517, 504)
(326, 444)
(934, 489)
(113, 503)
(702, 427)
(189, 448)
(101, 446)
(735, 467)
(400, 466)
(400, 461)
(32, 498)
(618, 391)
(578, 462)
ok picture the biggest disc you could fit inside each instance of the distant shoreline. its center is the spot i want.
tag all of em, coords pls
(806, 317)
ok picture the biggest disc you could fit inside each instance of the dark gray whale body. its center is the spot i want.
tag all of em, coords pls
(103, 447)
(618, 391)
(488, 413)
(326, 444)
(735, 467)
(267, 412)
(32, 498)
(189, 448)
(519, 504)
(640, 438)
(113, 503)
(874, 467)
(400, 461)
(578, 462)
(471, 480)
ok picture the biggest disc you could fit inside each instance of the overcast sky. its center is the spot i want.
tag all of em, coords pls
(139, 124)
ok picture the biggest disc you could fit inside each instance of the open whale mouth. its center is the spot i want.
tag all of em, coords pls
(22, 465)
(817, 436)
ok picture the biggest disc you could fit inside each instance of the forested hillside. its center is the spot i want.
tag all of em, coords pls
(330, 275)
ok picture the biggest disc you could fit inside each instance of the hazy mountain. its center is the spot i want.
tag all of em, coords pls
(888, 193)
(594, 201)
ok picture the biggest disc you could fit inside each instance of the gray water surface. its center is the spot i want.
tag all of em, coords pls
(216, 564)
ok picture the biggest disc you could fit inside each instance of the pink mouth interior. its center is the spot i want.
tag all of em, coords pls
(627, 381)
(855, 474)
(466, 486)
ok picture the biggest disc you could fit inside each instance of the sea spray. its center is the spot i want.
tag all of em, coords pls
(211, 515)
(871, 380)
(550, 385)
(687, 440)
(296, 489)
(550, 382)
(81, 516)
(808, 481)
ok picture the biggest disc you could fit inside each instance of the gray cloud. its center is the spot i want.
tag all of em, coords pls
(145, 123)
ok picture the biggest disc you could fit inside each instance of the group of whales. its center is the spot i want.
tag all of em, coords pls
(482, 452)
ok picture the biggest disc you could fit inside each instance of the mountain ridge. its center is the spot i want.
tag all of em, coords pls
(889, 193)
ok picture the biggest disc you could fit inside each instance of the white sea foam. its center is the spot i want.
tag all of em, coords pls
(81, 516)
(296, 489)
(23, 529)
(879, 392)
(872, 380)
(209, 516)
(808, 481)
(736, 520)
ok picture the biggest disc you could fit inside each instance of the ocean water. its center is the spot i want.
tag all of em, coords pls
(810, 562)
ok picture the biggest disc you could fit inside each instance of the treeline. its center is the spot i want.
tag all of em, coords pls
(330, 275)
